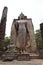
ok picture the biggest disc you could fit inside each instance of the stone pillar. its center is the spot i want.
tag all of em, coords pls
(41, 28)
(2, 27)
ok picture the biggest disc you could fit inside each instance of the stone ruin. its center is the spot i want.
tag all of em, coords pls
(22, 39)
(3, 27)
(41, 50)
(41, 28)
(22, 35)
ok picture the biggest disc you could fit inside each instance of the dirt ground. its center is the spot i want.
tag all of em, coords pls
(31, 62)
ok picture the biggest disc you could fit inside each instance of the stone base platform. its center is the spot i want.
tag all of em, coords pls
(26, 56)
(20, 57)
(34, 56)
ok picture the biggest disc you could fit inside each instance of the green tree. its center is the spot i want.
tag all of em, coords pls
(6, 41)
(38, 39)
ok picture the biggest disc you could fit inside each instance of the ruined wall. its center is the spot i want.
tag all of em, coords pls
(31, 33)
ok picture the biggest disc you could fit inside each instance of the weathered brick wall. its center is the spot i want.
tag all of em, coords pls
(31, 33)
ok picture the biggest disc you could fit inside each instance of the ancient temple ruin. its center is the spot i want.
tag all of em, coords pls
(22, 34)
(3, 27)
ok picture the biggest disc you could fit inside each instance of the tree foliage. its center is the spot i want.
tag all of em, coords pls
(38, 39)
(6, 41)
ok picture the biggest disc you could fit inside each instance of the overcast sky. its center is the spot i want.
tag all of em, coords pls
(31, 8)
